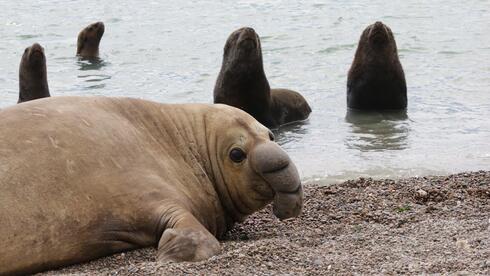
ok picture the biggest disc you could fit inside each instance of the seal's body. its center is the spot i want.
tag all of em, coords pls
(376, 80)
(242, 83)
(33, 76)
(88, 40)
(85, 177)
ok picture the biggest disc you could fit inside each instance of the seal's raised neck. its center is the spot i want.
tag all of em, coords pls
(33, 80)
(242, 81)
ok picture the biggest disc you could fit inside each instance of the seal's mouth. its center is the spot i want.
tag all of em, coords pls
(247, 39)
(98, 28)
(378, 33)
(36, 54)
(277, 170)
(248, 44)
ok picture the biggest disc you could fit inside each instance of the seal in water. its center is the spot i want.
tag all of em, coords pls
(33, 77)
(242, 83)
(86, 177)
(376, 80)
(89, 40)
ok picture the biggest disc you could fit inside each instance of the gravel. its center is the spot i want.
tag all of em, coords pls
(422, 225)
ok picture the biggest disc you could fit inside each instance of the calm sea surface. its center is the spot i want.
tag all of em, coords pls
(170, 51)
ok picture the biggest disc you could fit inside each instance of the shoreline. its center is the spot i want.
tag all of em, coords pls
(419, 225)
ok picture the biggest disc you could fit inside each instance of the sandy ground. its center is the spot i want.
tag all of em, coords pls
(427, 225)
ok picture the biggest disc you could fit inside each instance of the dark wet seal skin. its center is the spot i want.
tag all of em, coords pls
(33, 79)
(89, 40)
(242, 83)
(376, 80)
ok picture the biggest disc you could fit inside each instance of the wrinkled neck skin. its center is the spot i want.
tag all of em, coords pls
(187, 130)
(33, 82)
(235, 209)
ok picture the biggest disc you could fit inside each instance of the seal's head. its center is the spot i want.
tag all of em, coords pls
(34, 59)
(89, 40)
(377, 39)
(243, 48)
(251, 170)
(379, 34)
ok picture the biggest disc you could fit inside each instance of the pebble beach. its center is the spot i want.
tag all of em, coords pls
(421, 225)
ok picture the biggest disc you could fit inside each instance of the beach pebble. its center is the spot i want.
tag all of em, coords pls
(421, 193)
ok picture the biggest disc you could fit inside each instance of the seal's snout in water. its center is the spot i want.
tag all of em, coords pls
(36, 57)
(100, 28)
(248, 38)
(36, 52)
(378, 33)
(275, 166)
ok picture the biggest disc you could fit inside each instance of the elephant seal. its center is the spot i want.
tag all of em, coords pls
(89, 39)
(376, 80)
(85, 177)
(242, 83)
(33, 77)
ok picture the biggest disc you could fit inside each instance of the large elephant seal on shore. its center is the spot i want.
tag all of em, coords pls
(242, 83)
(89, 40)
(33, 77)
(83, 177)
(376, 80)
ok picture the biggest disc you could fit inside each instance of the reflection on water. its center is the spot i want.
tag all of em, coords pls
(291, 133)
(90, 64)
(86, 65)
(377, 131)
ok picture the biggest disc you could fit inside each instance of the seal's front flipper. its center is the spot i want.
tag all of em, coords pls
(188, 240)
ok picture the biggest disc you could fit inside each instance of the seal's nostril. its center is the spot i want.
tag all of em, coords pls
(271, 136)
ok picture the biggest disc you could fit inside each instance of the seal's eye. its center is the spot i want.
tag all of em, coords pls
(237, 155)
(271, 136)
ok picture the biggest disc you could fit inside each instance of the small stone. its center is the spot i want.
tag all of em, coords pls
(421, 193)
(463, 245)
(317, 262)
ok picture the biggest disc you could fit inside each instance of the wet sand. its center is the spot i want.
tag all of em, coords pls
(414, 226)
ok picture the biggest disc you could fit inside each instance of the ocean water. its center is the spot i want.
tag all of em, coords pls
(171, 51)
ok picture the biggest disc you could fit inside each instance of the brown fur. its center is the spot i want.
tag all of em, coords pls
(85, 177)
(242, 83)
(33, 76)
(376, 80)
(89, 40)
